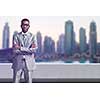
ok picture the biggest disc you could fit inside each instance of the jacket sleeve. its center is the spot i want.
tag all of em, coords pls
(16, 45)
(33, 46)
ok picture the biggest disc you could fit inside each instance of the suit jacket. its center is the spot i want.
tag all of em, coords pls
(29, 43)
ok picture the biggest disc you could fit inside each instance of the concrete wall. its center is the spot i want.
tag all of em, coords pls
(57, 70)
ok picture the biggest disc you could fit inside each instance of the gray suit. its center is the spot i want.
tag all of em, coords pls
(23, 60)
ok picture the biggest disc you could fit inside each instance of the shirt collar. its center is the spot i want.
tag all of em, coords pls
(24, 33)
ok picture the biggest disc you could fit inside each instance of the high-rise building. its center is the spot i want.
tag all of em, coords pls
(15, 32)
(69, 38)
(60, 44)
(5, 42)
(45, 44)
(93, 39)
(49, 45)
(39, 43)
(52, 46)
(74, 44)
(82, 38)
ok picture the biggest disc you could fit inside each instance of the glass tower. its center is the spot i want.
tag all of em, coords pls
(69, 33)
(82, 37)
(5, 41)
(93, 39)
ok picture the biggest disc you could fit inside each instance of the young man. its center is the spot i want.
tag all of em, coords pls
(24, 46)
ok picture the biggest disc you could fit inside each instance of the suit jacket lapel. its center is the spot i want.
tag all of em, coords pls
(27, 40)
(21, 39)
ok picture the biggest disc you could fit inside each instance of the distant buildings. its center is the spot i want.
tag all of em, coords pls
(82, 38)
(69, 38)
(5, 42)
(15, 32)
(49, 45)
(39, 43)
(93, 39)
(74, 44)
(66, 44)
(60, 44)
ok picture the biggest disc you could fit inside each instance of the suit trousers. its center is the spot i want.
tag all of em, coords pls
(17, 74)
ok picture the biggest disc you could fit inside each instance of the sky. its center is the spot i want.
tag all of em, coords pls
(51, 26)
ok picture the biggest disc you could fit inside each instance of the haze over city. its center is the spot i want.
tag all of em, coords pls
(51, 26)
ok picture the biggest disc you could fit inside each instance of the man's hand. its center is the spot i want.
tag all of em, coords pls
(28, 50)
(24, 49)
(16, 46)
(33, 46)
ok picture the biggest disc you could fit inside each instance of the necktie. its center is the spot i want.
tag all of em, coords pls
(24, 39)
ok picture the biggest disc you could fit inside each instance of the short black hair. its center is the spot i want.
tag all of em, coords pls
(25, 19)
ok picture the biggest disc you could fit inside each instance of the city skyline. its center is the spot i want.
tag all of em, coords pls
(52, 26)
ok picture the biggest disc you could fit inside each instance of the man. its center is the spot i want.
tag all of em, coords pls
(24, 46)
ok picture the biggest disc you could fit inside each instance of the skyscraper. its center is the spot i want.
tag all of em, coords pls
(74, 43)
(15, 32)
(49, 45)
(93, 38)
(52, 46)
(45, 45)
(39, 43)
(69, 37)
(5, 43)
(60, 44)
(82, 38)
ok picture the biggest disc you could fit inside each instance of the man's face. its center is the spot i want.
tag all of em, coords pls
(25, 26)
